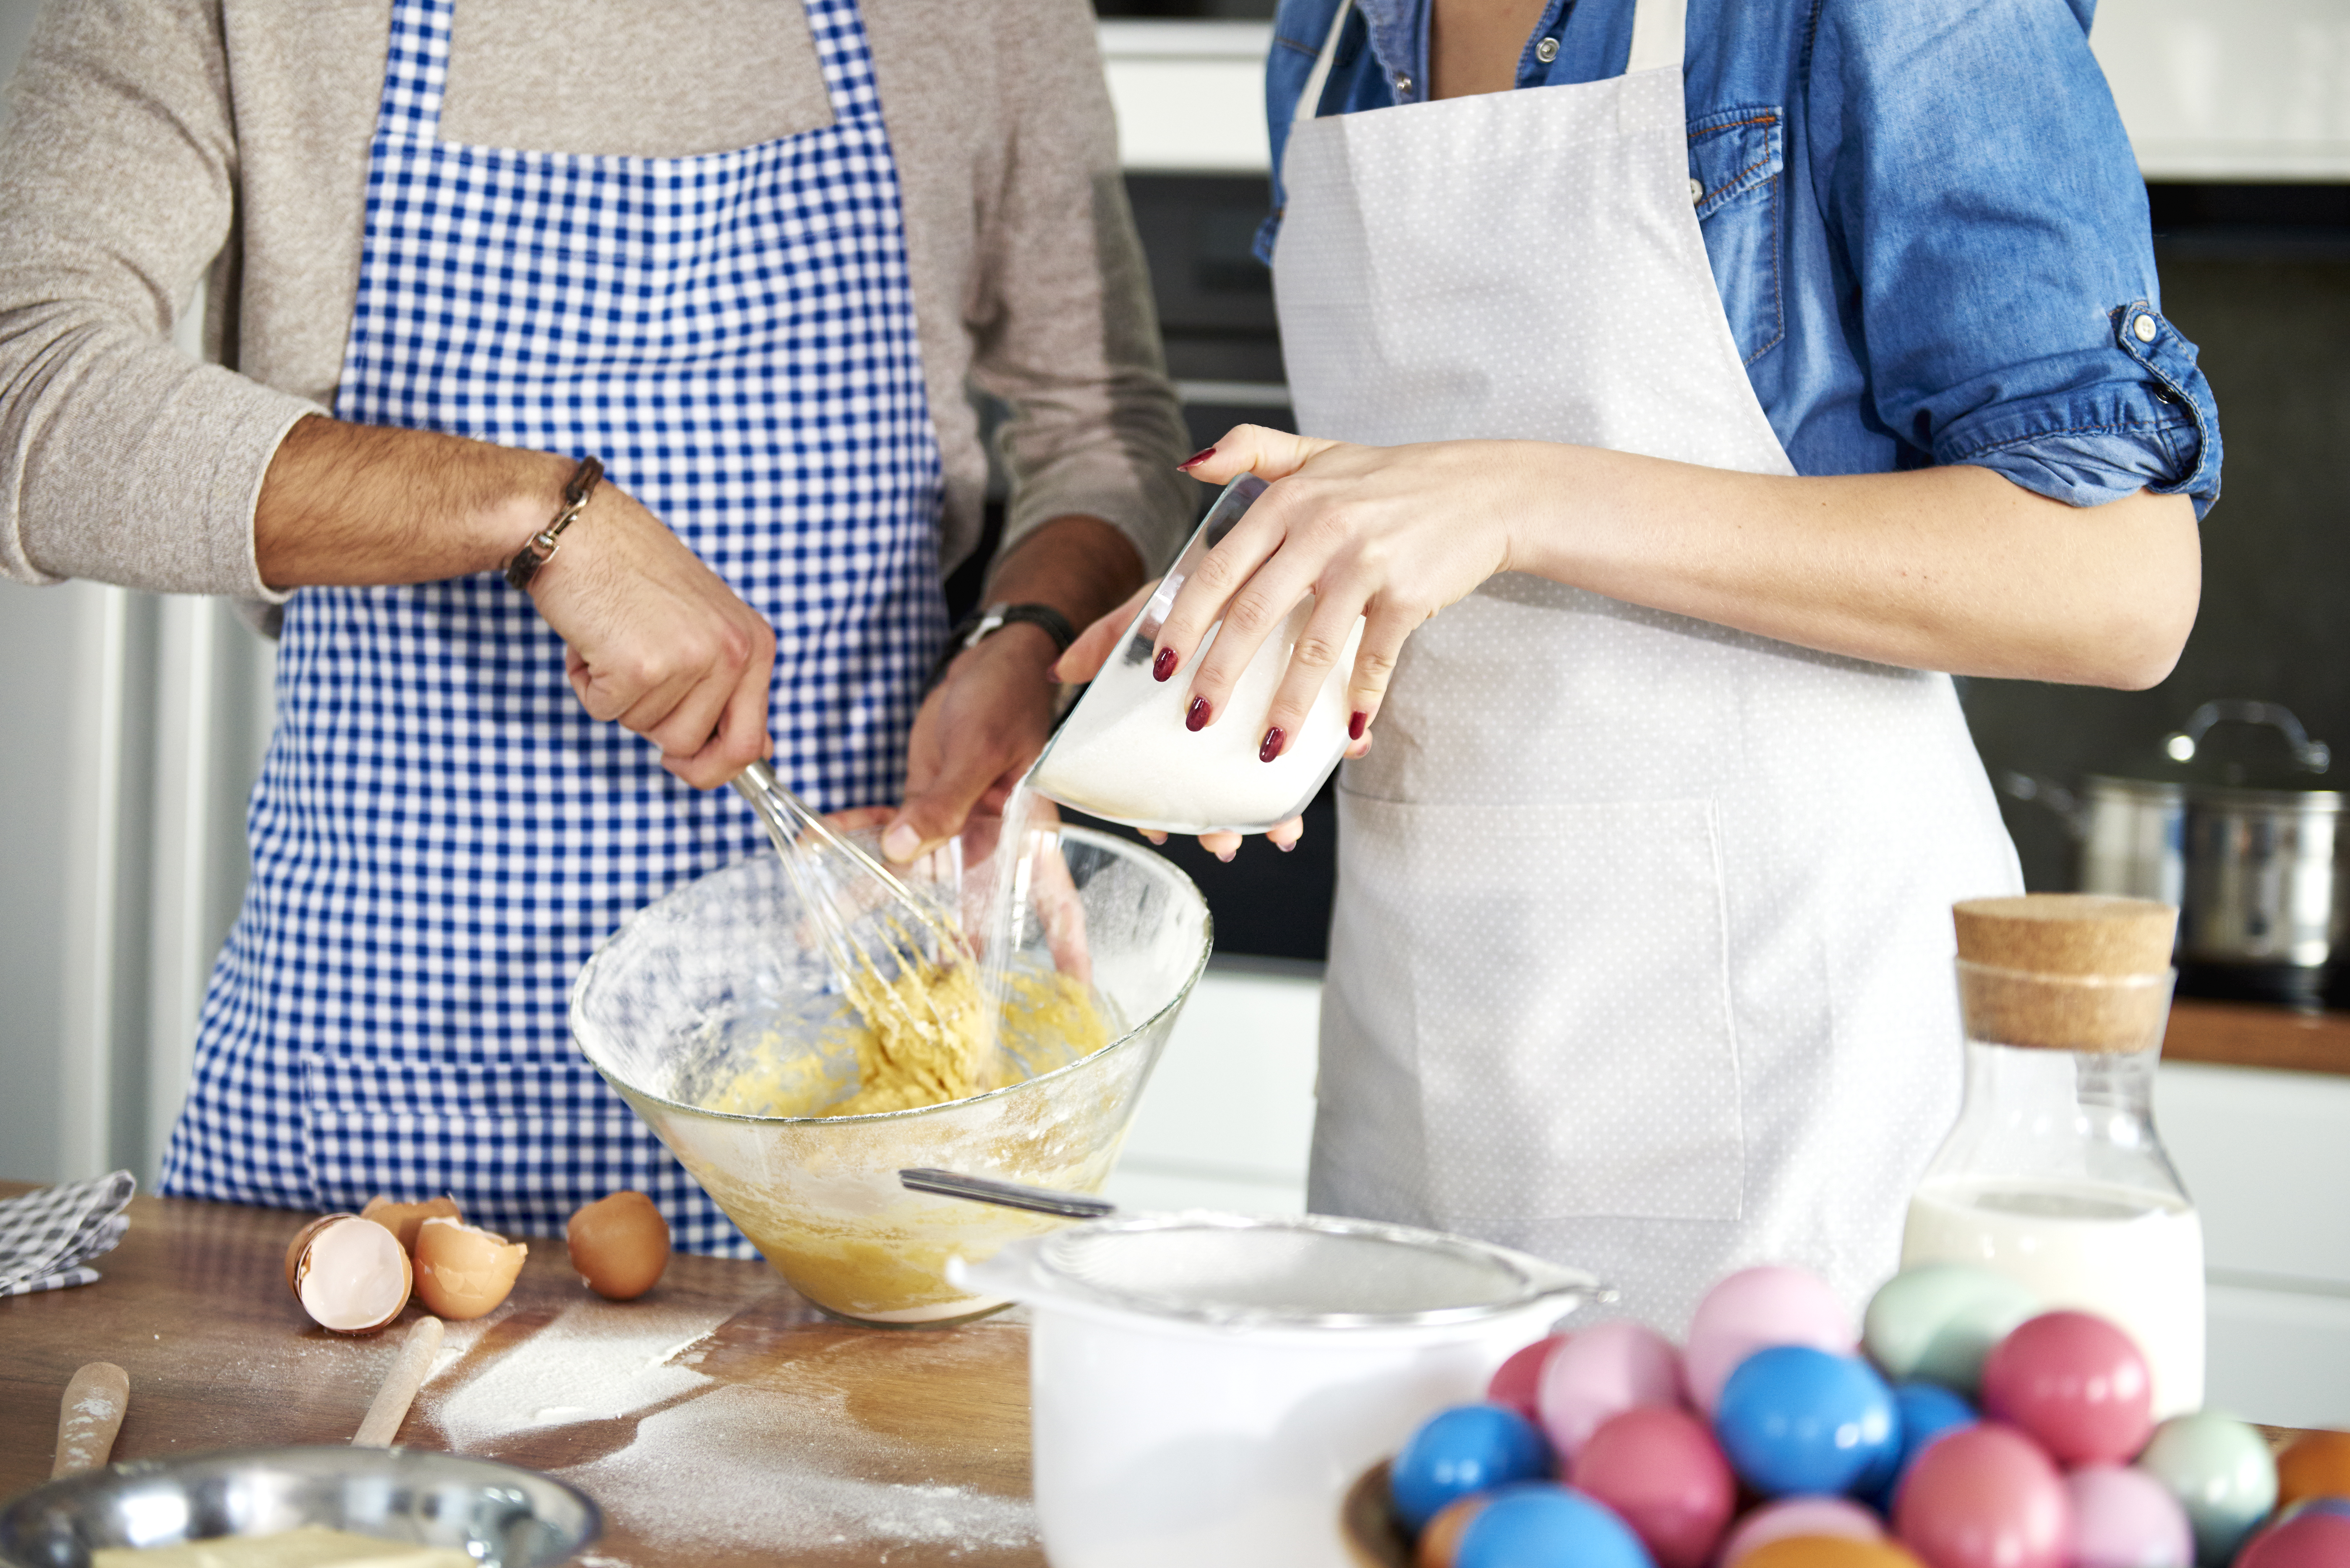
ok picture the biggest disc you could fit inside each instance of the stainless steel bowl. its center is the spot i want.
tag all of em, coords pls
(505, 1517)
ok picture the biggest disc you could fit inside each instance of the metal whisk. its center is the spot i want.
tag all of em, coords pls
(844, 889)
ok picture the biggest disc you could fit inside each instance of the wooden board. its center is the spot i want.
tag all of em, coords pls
(718, 1420)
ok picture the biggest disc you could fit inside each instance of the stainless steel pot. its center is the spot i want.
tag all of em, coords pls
(2253, 854)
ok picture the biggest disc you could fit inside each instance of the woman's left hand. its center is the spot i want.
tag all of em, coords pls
(1390, 533)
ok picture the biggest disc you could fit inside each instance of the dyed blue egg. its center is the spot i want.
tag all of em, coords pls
(1924, 1411)
(1470, 1448)
(1793, 1419)
(1548, 1527)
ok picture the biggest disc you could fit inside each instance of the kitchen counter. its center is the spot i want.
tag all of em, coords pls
(2257, 1034)
(718, 1419)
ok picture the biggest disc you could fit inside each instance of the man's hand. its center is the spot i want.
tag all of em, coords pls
(978, 732)
(657, 642)
(975, 737)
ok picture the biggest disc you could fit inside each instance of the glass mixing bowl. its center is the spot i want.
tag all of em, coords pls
(723, 978)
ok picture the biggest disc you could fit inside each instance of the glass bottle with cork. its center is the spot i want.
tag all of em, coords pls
(2053, 1174)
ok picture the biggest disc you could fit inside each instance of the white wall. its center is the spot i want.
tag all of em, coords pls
(133, 725)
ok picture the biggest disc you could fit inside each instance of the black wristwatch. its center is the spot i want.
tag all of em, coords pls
(977, 628)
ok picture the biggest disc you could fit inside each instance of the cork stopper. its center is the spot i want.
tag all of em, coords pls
(2068, 971)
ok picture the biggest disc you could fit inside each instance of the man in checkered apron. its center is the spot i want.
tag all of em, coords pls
(459, 799)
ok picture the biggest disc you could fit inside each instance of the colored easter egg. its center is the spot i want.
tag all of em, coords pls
(1657, 1468)
(1829, 1551)
(1795, 1516)
(1439, 1545)
(1985, 1497)
(1755, 1308)
(2124, 1517)
(1923, 1412)
(1938, 1320)
(1795, 1419)
(1530, 1526)
(2220, 1472)
(2311, 1539)
(2315, 1464)
(2074, 1382)
(1601, 1371)
(1468, 1449)
(1517, 1383)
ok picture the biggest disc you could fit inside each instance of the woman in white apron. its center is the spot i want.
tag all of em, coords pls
(1640, 956)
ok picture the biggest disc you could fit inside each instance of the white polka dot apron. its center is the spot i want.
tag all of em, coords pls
(1641, 954)
(440, 834)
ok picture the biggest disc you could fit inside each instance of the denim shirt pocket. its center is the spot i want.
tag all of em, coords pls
(1736, 158)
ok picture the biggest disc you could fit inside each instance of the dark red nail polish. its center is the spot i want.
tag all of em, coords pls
(1196, 716)
(1355, 725)
(1197, 458)
(1164, 664)
(1272, 747)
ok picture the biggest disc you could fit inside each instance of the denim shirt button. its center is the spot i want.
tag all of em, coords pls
(1546, 51)
(1697, 190)
(1402, 84)
(2144, 328)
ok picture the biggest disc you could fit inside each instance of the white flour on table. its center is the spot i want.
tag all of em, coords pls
(749, 1466)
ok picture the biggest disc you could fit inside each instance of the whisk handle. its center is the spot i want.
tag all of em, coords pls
(1006, 1194)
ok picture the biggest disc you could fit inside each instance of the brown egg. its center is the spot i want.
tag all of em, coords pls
(2317, 1465)
(350, 1275)
(403, 1219)
(620, 1245)
(462, 1271)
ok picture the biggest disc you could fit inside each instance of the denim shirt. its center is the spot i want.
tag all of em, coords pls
(1924, 218)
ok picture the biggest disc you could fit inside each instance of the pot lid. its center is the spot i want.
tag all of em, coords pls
(2236, 745)
(1302, 1271)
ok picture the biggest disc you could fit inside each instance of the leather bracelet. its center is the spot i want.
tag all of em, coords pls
(977, 628)
(542, 546)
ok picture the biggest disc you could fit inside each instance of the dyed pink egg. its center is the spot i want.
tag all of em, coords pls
(1985, 1497)
(2124, 1517)
(1602, 1370)
(1800, 1516)
(1757, 1307)
(2076, 1383)
(2311, 1539)
(1657, 1466)
(1518, 1382)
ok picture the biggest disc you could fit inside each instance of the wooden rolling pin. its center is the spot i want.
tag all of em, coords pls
(89, 1418)
(409, 1371)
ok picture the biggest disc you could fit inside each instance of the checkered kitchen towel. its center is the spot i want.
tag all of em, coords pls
(48, 1235)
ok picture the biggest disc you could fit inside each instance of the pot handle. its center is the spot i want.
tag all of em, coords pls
(2047, 793)
(2311, 756)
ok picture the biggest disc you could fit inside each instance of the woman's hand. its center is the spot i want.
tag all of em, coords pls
(1085, 660)
(1389, 534)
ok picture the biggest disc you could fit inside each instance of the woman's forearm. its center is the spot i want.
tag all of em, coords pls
(1951, 568)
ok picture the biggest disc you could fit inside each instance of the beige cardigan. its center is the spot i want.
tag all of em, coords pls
(155, 144)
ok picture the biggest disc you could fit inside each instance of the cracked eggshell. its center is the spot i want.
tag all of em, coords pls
(403, 1219)
(462, 1271)
(351, 1275)
(620, 1245)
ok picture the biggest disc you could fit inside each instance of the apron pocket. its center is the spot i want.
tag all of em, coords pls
(1568, 984)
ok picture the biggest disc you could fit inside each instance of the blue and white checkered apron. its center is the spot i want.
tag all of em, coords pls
(440, 834)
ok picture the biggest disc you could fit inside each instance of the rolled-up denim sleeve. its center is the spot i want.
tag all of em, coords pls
(1977, 181)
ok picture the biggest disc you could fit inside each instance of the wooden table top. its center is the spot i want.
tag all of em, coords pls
(2257, 1034)
(718, 1419)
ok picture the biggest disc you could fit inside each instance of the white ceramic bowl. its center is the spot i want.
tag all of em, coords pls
(1204, 1387)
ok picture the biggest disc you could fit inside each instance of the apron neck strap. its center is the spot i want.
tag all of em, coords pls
(1309, 102)
(1658, 28)
(1659, 33)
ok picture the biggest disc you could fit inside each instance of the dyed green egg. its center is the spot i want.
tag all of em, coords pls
(1937, 1322)
(2220, 1472)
